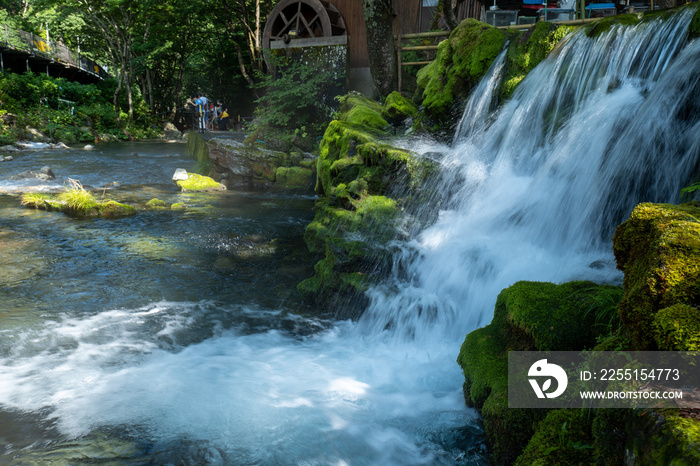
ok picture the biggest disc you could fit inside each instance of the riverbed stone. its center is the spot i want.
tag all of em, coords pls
(45, 174)
(180, 174)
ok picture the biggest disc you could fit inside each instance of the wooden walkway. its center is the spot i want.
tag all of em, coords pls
(22, 51)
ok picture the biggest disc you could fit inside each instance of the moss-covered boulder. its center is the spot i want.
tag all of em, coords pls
(355, 216)
(460, 62)
(547, 317)
(195, 182)
(528, 316)
(677, 328)
(397, 108)
(658, 249)
(464, 58)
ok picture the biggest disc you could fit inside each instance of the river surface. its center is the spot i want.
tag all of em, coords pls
(178, 336)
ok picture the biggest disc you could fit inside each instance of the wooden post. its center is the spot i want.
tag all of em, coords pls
(398, 57)
(583, 9)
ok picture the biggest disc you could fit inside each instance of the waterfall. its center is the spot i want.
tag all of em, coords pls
(531, 191)
(600, 125)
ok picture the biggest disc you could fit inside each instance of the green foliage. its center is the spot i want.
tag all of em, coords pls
(299, 94)
(691, 189)
(563, 437)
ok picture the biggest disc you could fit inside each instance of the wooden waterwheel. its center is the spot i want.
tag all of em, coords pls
(292, 20)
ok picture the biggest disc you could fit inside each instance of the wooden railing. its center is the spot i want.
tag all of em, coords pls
(31, 44)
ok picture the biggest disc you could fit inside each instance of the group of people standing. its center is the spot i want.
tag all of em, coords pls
(209, 115)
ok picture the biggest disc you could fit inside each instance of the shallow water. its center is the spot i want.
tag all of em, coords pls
(178, 336)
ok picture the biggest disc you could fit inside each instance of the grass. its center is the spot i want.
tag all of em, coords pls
(77, 198)
(34, 199)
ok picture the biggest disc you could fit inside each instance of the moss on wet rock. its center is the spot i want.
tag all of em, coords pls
(677, 328)
(397, 108)
(460, 62)
(195, 182)
(77, 203)
(355, 219)
(658, 249)
(527, 316)
(562, 437)
(527, 51)
(294, 178)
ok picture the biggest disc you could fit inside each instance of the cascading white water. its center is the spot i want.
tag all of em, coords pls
(596, 128)
(600, 125)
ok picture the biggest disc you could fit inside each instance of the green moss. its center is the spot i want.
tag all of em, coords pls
(294, 178)
(604, 24)
(77, 204)
(397, 108)
(658, 249)
(529, 316)
(115, 209)
(694, 28)
(677, 328)
(484, 362)
(195, 182)
(365, 116)
(156, 203)
(178, 206)
(548, 317)
(34, 200)
(663, 439)
(460, 62)
(563, 437)
(527, 51)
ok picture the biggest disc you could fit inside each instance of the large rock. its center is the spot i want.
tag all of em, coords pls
(528, 316)
(658, 249)
(171, 132)
(45, 174)
(355, 216)
(248, 166)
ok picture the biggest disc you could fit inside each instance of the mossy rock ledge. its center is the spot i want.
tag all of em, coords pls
(529, 316)
(658, 249)
(465, 57)
(356, 213)
(251, 166)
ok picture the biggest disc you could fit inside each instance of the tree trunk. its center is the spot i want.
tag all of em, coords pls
(379, 19)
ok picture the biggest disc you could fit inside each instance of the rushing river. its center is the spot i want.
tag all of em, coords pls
(178, 336)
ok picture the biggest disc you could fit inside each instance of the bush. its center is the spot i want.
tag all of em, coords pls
(300, 94)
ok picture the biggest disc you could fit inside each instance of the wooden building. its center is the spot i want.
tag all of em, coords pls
(308, 23)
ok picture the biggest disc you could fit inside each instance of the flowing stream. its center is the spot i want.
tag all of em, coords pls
(177, 337)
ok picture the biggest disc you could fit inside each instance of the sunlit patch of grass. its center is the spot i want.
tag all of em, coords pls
(77, 198)
(34, 199)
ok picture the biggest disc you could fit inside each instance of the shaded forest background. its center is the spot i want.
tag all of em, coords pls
(160, 52)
